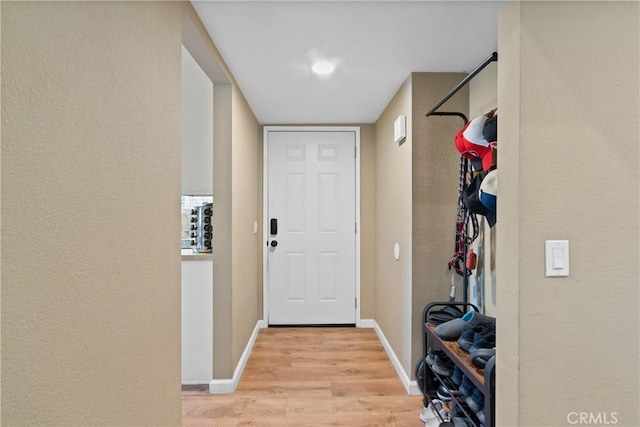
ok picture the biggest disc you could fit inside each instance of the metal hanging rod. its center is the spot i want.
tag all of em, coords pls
(432, 112)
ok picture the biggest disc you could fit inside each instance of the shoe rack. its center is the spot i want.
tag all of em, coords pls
(483, 379)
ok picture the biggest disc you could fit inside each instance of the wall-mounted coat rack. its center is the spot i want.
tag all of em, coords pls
(432, 112)
(461, 225)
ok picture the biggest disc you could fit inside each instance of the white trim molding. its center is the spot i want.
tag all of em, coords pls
(226, 386)
(365, 323)
(410, 386)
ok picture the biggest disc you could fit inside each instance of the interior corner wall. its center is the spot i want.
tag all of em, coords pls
(90, 147)
(393, 225)
(483, 97)
(367, 221)
(569, 161)
(246, 207)
(435, 165)
(223, 366)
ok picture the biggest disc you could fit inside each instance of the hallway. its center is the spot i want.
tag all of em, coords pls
(310, 377)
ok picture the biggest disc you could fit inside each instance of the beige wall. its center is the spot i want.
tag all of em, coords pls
(416, 199)
(246, 208)
(222, 213)
(90, 218)
(568, 94)
(393, 225)
(434, 190)
(237, 186)
(367, 221)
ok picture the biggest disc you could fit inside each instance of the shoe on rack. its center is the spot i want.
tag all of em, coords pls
(450, 312)
(467, 387)
(475, 401)
(460, 422)
(432, 353)
(451, 330)
(444, 393)
(480, 356)
(482, 342)
(466, 338)
(456, 377)
(473, 318)
(485, 329)
(480, 415)
(463, 412)
(429, 415)
(443, 366)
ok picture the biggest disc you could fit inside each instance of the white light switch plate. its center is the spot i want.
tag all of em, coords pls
(400, 129)
(556, 258)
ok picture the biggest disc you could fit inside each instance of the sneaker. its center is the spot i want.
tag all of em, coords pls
(475, 401)
(429, 415)
(466, 339)
(485, 329)
(443, 366)
(444, 393)
(432, 353)
(481, 342)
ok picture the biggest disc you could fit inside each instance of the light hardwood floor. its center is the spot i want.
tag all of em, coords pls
(310, 377)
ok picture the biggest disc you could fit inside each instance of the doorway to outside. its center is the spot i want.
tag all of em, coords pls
(311, 214)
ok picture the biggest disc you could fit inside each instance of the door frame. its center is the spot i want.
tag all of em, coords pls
(265, 207)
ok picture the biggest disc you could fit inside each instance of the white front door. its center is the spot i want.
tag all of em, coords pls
(311, 227)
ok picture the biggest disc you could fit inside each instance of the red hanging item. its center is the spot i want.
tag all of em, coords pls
(472, 259)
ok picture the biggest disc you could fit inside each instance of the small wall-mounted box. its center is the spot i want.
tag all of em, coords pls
(400, 129)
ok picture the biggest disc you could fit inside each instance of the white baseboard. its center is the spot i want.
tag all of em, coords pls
(409, 385)
(365, 323)
(226, 386)
(196, 382)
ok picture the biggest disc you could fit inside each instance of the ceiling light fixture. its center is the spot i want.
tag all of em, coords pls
(323, 68)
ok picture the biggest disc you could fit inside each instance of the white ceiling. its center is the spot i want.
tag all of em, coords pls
(269, 46)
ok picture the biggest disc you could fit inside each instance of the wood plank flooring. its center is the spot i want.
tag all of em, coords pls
(310, 377)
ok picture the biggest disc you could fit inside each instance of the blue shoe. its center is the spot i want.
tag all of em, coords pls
(480, 415)
(432, 353)
(444, 393)
(443, 366)
(473, 318)
(466, 339)
(481, 342)
(480, 356)
(475, 401)
(457, 376)
(467, 387)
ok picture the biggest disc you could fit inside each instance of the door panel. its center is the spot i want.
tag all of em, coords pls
(311, 192)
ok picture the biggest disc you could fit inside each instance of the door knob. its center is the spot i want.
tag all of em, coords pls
(274, 243)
